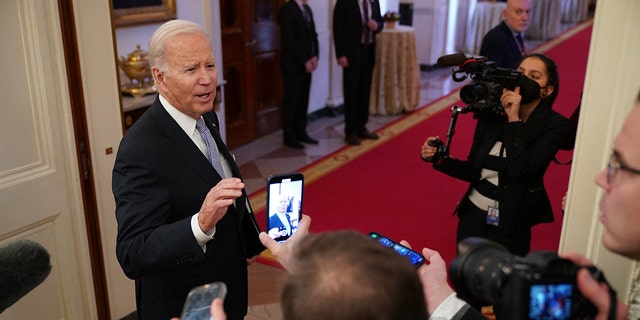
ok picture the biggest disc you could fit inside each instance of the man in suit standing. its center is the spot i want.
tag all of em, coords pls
(355, 24)
(298, 59)
(504, 44)
(280, 224)
(182, 213)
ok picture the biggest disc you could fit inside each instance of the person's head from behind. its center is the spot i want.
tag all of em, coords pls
(517, 14)
(346, 275)
(183, 66)
(620, 180)
(543, 70)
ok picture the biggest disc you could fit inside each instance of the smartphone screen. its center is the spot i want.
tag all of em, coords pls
(415, 258)
(198, 304)
(284, 204)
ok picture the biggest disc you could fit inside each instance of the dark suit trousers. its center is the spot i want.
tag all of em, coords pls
(356, 82)
(295, 104)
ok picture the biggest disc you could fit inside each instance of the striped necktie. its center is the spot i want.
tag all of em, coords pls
(367, 33)
(212, 149)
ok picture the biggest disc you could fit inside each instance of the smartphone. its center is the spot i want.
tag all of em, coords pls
(284, 204)
(199, 299)
(415, 258)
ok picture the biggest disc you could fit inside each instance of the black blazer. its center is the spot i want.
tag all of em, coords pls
(348, 28)
(499, 45)
(299, 40)
(160, 179)
(530, 148)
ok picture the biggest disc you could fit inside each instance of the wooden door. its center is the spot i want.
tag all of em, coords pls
(250, 49)
(40, 196)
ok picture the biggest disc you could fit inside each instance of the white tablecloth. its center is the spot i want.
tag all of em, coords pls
(485, 16)
(395, 87)
(545, 20)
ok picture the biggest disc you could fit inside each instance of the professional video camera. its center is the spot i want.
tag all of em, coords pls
(539, 286)
(484, 92)
(488, 81)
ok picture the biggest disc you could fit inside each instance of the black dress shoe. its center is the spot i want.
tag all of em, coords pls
(352, 139)
(307, 139)
(368, 135)
(293, 144)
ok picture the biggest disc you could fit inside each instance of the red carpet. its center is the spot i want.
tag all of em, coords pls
(389, 189)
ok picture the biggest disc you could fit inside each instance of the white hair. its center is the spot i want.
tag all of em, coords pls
(163, 34)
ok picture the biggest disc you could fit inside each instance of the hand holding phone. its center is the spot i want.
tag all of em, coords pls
(284, 204)
(415, 258)
(199, 299)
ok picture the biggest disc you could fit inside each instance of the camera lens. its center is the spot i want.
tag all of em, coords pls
(474, 92)
(480, 270)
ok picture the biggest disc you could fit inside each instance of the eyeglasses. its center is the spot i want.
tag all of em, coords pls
(615, 165)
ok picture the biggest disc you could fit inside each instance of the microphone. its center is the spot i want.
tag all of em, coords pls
(24, 264)
(458, 59)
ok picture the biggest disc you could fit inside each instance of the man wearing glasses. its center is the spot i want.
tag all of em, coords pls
(620, 217)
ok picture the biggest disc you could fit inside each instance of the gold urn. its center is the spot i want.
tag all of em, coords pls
(137, 68)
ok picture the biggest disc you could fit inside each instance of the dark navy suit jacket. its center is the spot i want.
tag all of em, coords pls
(500, 46)
(160, 179)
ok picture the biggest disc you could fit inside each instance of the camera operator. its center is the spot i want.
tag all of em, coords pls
(507, 161)
(620, 215)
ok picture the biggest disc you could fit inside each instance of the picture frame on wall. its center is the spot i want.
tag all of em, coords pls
(138, 12)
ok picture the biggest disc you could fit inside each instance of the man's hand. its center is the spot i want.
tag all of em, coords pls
(283, 251)
(217, 201)
(372, 25)
(433, 277)
(343, 62)
(594, 291)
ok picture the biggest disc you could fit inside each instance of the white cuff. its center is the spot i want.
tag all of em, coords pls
(201, 236)
(448, 308)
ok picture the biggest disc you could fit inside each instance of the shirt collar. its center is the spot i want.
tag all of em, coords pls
(185, 122)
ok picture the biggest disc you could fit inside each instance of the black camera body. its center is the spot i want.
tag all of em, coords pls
(485, 91)
(540, 285)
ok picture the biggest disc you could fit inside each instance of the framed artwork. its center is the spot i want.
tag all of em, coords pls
(137, 12)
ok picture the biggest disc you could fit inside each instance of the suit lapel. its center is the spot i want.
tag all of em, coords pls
(211, 121)
(182, 146)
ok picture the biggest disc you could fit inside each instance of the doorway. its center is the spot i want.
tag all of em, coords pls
(251, 51)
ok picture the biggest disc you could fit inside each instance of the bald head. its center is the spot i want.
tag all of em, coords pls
(517, 14)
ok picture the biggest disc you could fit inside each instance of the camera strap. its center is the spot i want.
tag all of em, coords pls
(613, 303)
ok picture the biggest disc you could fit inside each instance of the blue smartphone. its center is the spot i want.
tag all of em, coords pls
(415, 258)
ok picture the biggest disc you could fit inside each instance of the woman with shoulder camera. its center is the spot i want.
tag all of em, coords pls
(505, 167)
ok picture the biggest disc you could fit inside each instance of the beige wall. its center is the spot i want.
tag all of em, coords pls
(610, 89)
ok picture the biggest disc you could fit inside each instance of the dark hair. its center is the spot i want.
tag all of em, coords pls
(345, 275)
(553, 77)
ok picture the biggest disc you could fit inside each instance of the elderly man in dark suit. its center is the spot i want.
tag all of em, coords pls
(355, 24)
(504, 44)
(182, 213)
(298, 59)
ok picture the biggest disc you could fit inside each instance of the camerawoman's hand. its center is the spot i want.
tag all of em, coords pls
(594, 291)
(428, 149)
(511, 103)
(217, 201)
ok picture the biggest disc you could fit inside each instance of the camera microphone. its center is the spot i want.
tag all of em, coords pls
(24, 264)
(457, 59)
